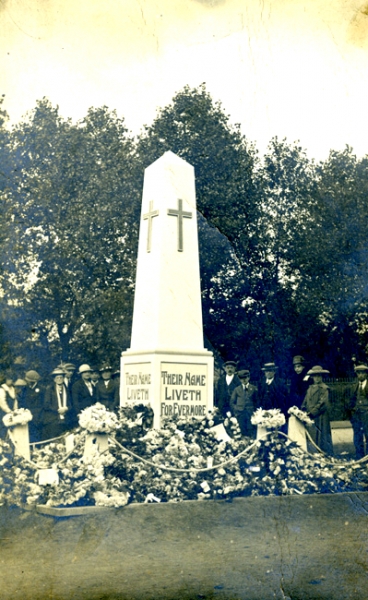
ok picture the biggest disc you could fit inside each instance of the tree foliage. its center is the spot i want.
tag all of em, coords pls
(283, 244)
(71, 255)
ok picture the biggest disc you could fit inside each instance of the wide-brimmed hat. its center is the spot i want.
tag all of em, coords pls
(84, 369)
(19, 383)
(58, 371)
(32, 376)
(361, 368)
(318, 370)
(105, 368)
(298, 360)
(243, 373)
(269, 367)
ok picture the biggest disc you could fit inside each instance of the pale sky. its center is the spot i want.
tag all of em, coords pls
(291, 68)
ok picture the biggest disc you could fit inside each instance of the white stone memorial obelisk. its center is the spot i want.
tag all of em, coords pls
(167, 365)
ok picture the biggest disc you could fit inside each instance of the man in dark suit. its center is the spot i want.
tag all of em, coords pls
(225, 387)
(58, 413)
(33, 399)
(106, 389)
(83, 392)
(69, 370)
(359, 410)
(273, 391)
(243, 403)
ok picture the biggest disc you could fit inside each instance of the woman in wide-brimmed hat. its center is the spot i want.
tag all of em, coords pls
(317, 405)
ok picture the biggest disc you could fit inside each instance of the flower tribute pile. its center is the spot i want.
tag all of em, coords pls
(191, 459)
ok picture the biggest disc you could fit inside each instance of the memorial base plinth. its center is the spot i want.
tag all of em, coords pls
(173, 383)
(297, 432)
(71, 511)
(95, 440)
(19, 435)
(261, 432)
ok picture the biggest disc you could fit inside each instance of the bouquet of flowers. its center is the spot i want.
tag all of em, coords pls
(300, 414)
(97, 419)
(20, 416)
(269, 419)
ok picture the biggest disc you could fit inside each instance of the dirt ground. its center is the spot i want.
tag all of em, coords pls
(298, 547)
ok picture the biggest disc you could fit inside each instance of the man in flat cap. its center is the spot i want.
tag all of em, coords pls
(95, 377)
(243, 403)
(69, 370)
(273, 392)
(225, 387)
(299, 381)
(33, 399)
(83, 392)
(358, 406)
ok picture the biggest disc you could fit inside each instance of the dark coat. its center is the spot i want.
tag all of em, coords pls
(317, 404)
(223, 393)
(358, 412)
(359, 406)
(298, 388)
(81, 395)
(33, 399)
(274, 395)
(243, 403)
(52, 424)
(107, 395)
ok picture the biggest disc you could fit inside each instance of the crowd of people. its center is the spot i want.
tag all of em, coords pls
(55, 407)
(234, 393)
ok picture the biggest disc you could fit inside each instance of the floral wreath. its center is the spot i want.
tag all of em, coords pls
(19, 416)
(269, 419)
(301, 415)
(97, 419)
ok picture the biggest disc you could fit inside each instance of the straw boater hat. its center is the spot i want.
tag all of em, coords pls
(361, 368)
(58, 371)
(84, 369)
(318, 370)
(269, 367)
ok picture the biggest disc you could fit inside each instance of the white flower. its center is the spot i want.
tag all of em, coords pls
(269, 419)
(300, 414)
(97, 419)
(20, 416)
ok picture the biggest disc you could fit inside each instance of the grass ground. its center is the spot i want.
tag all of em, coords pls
(298, 547)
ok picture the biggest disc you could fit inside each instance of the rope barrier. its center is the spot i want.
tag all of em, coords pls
(234, 458)
(202, 470)
(47, 441)
(36, 466)
(331, 462)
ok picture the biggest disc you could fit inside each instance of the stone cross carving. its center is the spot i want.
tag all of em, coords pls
(181, 214)
(149, 216)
